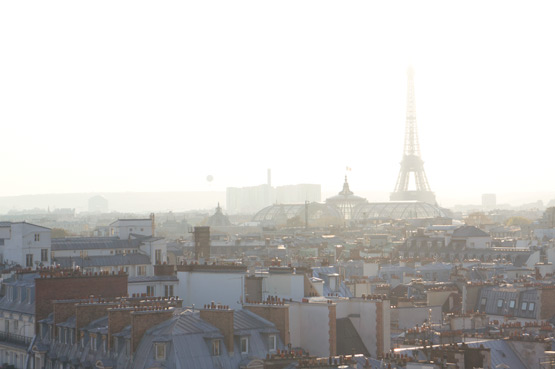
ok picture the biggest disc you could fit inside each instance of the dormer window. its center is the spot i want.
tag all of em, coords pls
(93, 342)
(216, 347)
(244, 345)
(160, 351)
(272, 343)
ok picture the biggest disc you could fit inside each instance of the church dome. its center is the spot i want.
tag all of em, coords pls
(218, 219)
(345, 201)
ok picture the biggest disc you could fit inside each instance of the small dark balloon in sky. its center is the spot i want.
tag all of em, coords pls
(209, 178)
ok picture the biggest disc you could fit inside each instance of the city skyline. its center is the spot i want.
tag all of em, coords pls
(129, 107)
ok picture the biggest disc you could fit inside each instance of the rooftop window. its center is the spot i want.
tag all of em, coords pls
(160, 351)
(244, 345)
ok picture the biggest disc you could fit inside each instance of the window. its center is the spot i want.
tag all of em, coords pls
(216, 347)
(524, 306)
(483, 302)
(60, 334)
(43, 254)
(158, 258)
(37, 237)
(500, 303)
(16, 324)
(141, 270)
(272, 344)
(531, 306)
(150, 290)
(512, 304)
(29, 260)
(168, 290)
(160, 351)
(93, 342)
(83, 253)
(244, 345)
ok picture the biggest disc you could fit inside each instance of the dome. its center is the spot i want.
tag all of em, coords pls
(346, 201)
(397, 210)
(218, 219)
(293, 215)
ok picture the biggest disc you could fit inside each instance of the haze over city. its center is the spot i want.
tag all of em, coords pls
(143, 97)
(277, 185)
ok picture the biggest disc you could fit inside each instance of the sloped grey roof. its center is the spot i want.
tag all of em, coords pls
(469, 231)
(100, 261)
(88, 243)
(245, 320)
(152, 278)
(189, 341)
(322, 272)
(348, 338)
(501, 353)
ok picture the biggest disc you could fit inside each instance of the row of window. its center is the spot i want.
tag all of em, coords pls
(160, 347)
(525, 305)
(168, 290)
(29, 258)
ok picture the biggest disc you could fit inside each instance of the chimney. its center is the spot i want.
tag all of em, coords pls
(164, 269)
(118, 318)
(88, 312)
(141, 321)
(153, 220)
(221, 318)
(63, 310)
(277, 314)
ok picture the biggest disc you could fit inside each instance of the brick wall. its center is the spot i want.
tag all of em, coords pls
(74, 287)
(63, 310)
(141, 321)
(223, 320)
(279, 315)
(88, 312)
(547, 305)
(117, 320)
(164, 269)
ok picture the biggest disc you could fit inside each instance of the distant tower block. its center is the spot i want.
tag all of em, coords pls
(489, 201)
(412, 162)
(202, 243)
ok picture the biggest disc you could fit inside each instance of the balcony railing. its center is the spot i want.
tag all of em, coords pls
(15, 338)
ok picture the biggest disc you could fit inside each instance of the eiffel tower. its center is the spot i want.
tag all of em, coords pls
(412, 162)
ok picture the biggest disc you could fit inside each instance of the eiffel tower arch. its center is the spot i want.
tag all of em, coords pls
(412, 163)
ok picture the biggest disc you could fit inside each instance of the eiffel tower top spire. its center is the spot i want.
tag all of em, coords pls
(412, 162)
(412, 146)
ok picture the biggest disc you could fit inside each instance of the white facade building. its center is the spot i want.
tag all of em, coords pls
(122, 228)
(25, 244)
(221, 284)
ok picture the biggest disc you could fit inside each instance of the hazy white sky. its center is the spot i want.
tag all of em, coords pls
(156, 95)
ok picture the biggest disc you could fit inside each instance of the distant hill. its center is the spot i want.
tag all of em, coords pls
(122, 202)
